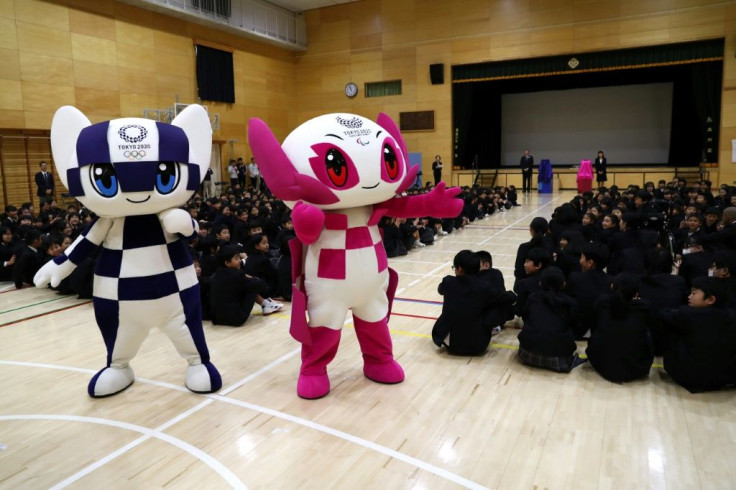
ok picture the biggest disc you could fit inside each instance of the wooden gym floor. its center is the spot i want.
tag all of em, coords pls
(486, 422)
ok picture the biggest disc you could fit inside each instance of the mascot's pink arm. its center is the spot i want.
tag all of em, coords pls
(439, 203)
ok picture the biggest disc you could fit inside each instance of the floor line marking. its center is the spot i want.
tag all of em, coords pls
(21, 320)
(536, 211)
(274, 413)
(218, 467)
(158, 430)
(34, 304)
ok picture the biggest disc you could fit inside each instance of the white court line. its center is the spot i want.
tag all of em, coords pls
(522, 218)
(158, 430)
(7, 287)
(413, 283)
(275, 413)
(218, 467)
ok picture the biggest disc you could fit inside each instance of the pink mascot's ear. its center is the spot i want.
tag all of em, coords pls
(411, 172)
(282, 178)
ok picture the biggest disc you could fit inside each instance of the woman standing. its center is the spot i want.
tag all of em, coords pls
(600, 169)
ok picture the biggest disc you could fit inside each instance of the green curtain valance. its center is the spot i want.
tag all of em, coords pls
(650, 56)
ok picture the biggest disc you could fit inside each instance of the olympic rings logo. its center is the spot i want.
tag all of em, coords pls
(135, 154)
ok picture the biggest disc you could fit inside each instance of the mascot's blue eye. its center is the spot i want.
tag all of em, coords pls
(104, 179)
(167, 177)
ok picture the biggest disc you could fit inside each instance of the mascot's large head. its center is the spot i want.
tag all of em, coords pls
(335, 161)
(131, 166)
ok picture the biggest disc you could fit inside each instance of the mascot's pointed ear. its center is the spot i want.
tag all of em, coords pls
(411, 172)
(389, 125)
(196, 125)
(284, 181)
(68, 122)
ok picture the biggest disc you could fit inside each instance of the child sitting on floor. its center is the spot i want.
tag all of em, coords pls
(620, 348)
(470, 310)
(701, 353)
(547, 340)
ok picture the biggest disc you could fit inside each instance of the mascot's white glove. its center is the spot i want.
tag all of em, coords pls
(178, 221)
(54, 273)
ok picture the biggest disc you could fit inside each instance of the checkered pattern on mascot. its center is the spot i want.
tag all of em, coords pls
(134, 173)
(341, 173)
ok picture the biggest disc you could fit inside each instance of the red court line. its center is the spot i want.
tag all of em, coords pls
(44, 314)
(403, 314)
(412, 300)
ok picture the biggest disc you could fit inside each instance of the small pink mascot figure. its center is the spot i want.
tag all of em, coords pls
(340, 173)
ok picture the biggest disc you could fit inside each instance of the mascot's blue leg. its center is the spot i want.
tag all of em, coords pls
(188, 338)
(118, 374)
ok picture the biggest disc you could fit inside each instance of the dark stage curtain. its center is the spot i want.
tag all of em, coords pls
(215, 78)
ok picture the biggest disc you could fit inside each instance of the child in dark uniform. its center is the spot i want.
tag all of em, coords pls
(547, 340)
(701, 355)
(470, 310)
(620, 348)
(233, 293)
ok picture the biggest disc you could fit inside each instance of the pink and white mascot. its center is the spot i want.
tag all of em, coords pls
(340, 173)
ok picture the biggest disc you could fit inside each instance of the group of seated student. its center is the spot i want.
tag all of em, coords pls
(401, 235)
(28, 240)
(635, 273)
(251, 222)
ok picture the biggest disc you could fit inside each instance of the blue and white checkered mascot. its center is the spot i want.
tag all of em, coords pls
(134, 173)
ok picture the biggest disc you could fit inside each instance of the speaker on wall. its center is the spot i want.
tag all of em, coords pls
(437, 73)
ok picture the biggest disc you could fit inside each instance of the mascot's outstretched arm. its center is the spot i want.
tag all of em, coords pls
(438, 203)
(87, 242)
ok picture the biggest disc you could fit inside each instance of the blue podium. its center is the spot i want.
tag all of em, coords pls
(544, 177)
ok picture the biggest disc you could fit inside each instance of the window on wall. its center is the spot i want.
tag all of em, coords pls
(383, 89)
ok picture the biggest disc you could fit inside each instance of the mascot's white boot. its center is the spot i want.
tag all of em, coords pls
(110, 381)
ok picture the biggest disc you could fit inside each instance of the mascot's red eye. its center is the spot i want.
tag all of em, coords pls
(337, 167)
(391, 162)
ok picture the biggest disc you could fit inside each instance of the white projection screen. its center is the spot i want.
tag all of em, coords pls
(630, 123)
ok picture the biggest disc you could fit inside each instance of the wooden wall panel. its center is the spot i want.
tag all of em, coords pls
(102, 102)
(11, 95)
(9, 64)
(37, 39)
(92, 24)
(43, 69)
(135, 57)
(93, 49)
(8, 34)
(7, 9)
(46, 96)
(136, 81)
(46, 14)
(95, 75)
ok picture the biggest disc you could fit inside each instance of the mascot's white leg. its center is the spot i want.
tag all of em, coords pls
(122, 346)
(187, 334)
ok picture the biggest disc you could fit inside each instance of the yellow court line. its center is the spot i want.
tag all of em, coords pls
(427, 336)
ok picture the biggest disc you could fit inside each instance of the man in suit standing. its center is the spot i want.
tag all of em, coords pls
(45, 184)
(527, 166)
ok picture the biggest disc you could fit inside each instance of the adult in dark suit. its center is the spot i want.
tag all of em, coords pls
(527, 168)
(45, 183)
(437, 169)
(599, 165)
